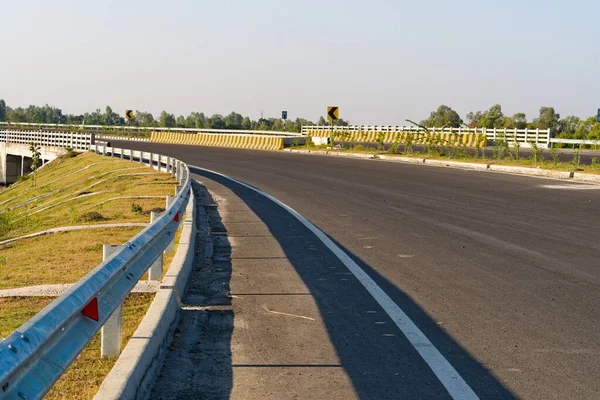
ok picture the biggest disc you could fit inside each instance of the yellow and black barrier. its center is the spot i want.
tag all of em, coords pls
(259, 142)
(447, 139)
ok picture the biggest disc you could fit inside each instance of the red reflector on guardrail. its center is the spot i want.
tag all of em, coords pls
(91, 310)
(176, 219)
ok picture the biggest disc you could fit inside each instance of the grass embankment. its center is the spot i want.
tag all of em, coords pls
(87, 189)
(461, 154)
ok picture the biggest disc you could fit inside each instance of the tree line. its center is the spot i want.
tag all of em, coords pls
(570, 127)
(195, 120)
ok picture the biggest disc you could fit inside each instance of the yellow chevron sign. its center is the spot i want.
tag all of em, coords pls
(129, 114)
(332, 113)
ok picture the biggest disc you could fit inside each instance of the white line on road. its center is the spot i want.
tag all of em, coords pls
(445, 372)
(573, 186)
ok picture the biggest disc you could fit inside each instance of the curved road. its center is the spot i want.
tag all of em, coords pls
(501, 272)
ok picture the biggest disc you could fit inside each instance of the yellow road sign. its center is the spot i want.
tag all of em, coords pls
(129, 114)
(332, 113)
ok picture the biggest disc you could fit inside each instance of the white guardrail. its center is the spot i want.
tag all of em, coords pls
(129, 130)
(580, 142)
(525, 136)
(35, 355)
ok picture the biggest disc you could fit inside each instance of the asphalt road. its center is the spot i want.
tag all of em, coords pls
(501, 272)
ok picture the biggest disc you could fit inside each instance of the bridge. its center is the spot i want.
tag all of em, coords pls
(317, 277)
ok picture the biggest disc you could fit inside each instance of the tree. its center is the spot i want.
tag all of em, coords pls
(444, 116)
(112, 118)
(493, 117)
(474, 119)
(246, 124)
(166, 120)
(520, 120)
(217, 122)
(234, 121)
(548, 119)
(35, 159)
(2, 110)
(142, 118)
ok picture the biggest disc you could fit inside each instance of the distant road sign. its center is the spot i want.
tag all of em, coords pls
(332, 113)
(129, 114)
(284, 115)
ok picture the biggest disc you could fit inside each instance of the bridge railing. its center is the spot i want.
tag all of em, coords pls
(35, 355)
(132, 130)
(538, 136)
(44, 137)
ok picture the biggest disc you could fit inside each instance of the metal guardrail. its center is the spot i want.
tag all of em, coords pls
(575, 141)
(131, 130)
(35, 355)
(538, 136)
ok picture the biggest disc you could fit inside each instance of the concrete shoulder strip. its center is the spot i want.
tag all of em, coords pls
(135, 371)
(445, 372)
(508, 169)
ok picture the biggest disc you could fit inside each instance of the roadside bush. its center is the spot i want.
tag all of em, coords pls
(5, 224)
(359, 147)
(555, 154)
(91, 216)
(70, 152)
(136, 208)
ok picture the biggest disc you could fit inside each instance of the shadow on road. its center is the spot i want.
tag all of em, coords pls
(377, 358)
(198, 365)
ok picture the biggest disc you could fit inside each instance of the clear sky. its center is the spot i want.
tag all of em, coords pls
(379, 61)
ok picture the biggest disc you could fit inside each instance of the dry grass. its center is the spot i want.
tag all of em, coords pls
(84, 377)
(63, 257)
(14, 311)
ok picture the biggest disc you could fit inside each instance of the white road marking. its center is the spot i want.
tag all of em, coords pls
(445, 372)
(572, 187)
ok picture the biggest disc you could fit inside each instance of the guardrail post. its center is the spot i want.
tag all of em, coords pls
(103, 150)
(178, 172)
(122, 155)
(171, 246)
(112, 329)
(156, 269)
(141, 157)
(159, 163)
(151, 160)
(169, 161)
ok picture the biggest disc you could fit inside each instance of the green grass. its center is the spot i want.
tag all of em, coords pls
(69, 188)
(84, 377)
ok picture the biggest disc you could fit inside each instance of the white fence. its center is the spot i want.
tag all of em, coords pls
(73, 140)
(540, 137)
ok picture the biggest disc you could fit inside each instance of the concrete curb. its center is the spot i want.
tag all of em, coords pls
(538, 172)
(135, 371)
(130, 139)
